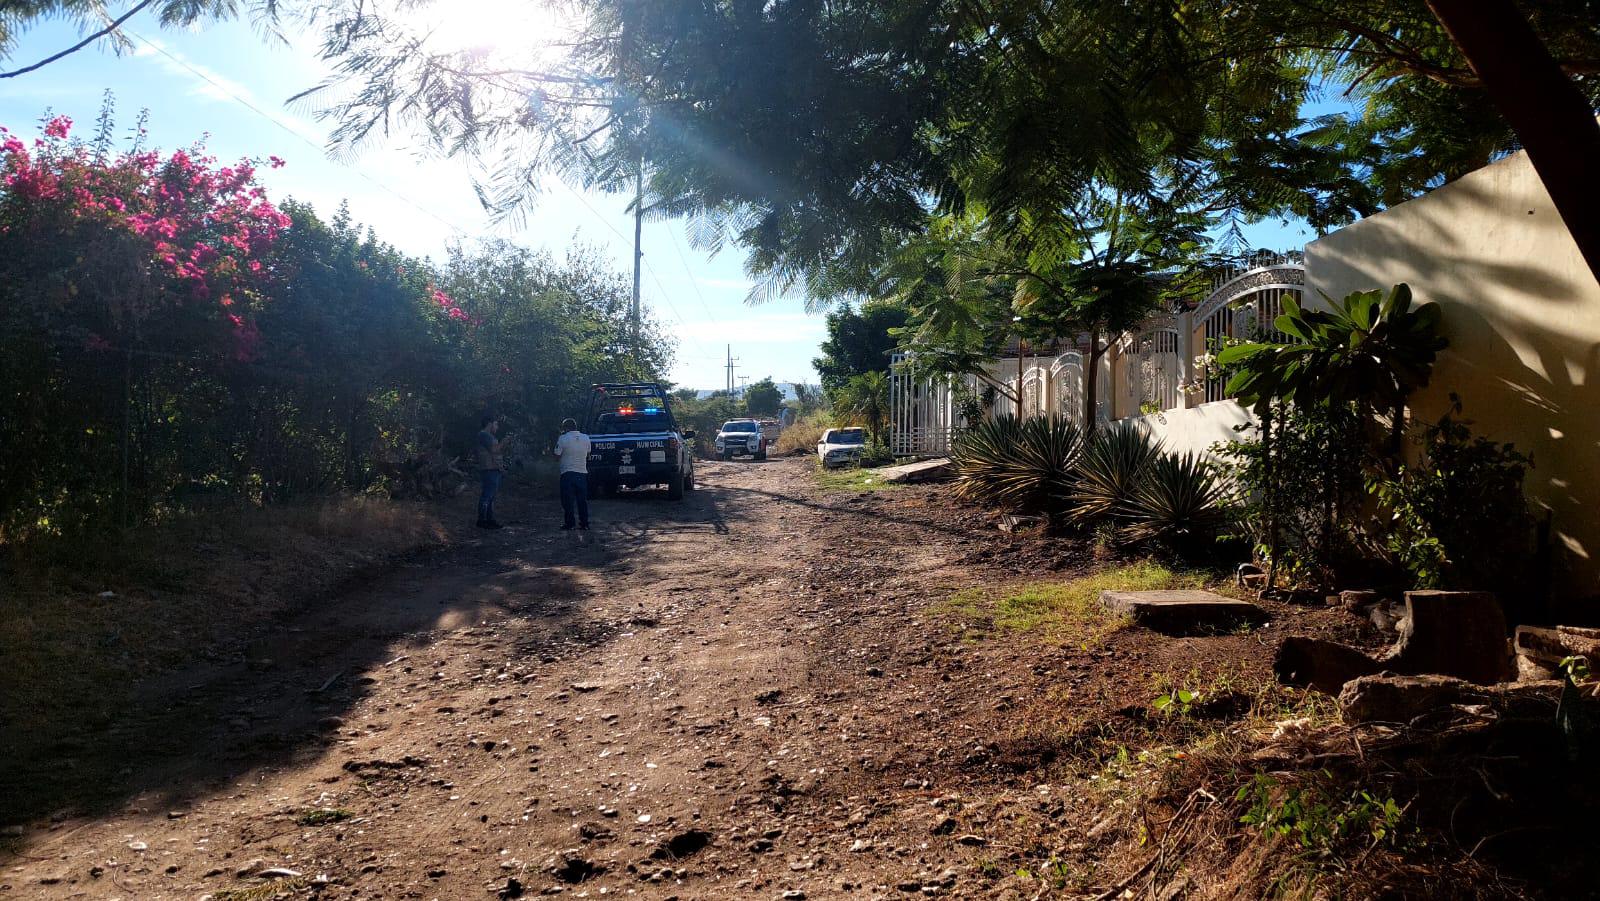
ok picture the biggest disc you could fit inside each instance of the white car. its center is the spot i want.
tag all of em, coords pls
(841, 447)
(739, 437)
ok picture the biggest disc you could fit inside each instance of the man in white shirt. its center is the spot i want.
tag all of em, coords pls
(573, 449)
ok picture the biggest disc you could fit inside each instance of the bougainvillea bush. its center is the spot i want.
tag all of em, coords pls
(171, 339)
(128, 278)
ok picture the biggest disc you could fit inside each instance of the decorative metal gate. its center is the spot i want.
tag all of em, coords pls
(922, 412)
(1243, 304)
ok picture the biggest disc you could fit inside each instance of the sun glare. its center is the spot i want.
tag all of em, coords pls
(511, 28)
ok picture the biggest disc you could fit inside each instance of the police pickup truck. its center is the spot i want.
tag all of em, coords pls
(634, 440)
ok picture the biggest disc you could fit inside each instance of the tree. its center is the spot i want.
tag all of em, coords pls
(860, 340)
(820, 136)
(199, 341)
(974, 288)
(1368, 353)
(16, 16)
(763, 399)
(807, 399)
(866, 398)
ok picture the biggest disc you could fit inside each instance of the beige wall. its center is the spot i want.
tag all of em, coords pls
(1522, 313)
(1199, 428)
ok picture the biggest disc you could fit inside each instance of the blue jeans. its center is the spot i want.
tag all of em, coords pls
(491, 487)
(575, 499)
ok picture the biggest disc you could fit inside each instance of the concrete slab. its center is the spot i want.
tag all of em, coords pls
(921, 471)
(1183, 611)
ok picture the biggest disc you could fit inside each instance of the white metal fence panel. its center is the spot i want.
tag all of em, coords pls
(922, 411)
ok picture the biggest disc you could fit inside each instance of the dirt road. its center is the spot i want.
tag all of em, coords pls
(733, 697)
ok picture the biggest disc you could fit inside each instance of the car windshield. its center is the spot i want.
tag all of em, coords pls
(740, 425)
(848, 436)
(632, 423)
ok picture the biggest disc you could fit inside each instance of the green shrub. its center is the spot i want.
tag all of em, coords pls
(1458, 518)
(1180, 500)
(1017, 465)
(876, 453)
(803, 436)
(1112, 468)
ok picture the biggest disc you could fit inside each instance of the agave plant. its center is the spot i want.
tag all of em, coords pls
(1017, 465)
(1112, 469)
(1180, 500)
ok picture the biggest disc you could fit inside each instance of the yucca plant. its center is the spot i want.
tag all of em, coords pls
(1017, 465)
(1113, 465)
(1181, 501)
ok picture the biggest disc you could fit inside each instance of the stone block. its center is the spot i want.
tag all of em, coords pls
(1387, 698)
(1452, 633)
(1183, 611)
(1323, 665)
(1551, 646)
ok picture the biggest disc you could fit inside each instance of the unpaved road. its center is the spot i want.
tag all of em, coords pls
(733, 697)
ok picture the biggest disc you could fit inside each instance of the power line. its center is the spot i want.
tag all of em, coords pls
(198, 73)
(321, 151)
(656, 280)
(649, 268)
(683, 259)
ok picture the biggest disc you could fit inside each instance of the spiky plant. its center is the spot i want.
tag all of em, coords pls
(1114, 463)
(1017, 465)
(1181, 501)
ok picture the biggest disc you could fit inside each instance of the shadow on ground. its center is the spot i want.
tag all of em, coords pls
(279, 695)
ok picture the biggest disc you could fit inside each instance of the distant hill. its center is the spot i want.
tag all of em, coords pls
(786, 387)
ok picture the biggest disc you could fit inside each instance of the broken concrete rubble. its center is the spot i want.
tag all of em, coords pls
(1448, 633)
(1389, 698)
(1320, 664)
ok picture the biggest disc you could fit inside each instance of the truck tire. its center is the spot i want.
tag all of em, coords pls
(675, 488)
(688, 480)
(761, 454)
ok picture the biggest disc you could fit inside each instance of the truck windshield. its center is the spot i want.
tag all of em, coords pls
(631, 423)
(740, 425)
(848, 436)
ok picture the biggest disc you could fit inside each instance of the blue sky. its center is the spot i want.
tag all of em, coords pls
(228, 82)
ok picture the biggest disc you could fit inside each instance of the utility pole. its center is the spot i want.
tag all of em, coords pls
(731, 360)
(638, 253)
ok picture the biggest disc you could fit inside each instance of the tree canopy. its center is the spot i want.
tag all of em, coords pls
(860, 340)
(820, 136)
(763, 398)
(167, 330)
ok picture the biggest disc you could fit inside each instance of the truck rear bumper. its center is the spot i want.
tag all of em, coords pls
(643, 474)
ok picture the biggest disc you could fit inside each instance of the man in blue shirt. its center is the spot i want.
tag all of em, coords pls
(490, 468)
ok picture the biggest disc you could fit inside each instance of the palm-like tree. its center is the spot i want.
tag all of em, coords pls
(866, 396)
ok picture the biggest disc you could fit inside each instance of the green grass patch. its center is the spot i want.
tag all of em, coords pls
(322, 816)
(852, 479)
(1060, 612)
(265, 891)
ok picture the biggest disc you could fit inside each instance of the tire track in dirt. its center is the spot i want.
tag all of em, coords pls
(659, 708)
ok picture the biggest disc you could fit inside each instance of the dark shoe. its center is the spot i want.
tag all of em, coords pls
(566, 528)
(491, 524)
(483, 524)
(584, 527)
